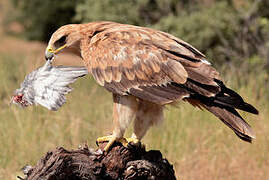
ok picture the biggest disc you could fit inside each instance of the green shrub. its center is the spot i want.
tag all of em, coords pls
(41, 18)
(111, 10)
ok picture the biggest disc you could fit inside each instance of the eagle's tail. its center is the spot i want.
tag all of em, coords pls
(230, 98)
(232, 119)
(224, 106)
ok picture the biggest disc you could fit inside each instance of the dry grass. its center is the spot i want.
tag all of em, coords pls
(197, 143)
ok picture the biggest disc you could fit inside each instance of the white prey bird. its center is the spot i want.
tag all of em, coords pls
(47, 86)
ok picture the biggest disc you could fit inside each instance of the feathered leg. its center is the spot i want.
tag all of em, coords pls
(124, 110)
(147, 115)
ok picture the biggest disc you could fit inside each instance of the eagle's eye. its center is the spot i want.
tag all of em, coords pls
(60, 42)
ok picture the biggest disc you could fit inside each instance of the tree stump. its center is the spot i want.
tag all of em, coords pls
(120, 163)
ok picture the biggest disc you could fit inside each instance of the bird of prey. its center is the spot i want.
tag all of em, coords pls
(146, 69)
(47, 86)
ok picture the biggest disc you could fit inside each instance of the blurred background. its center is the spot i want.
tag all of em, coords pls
(234, 34)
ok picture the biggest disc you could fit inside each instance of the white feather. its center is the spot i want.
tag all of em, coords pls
(206, 62)
(48, 84)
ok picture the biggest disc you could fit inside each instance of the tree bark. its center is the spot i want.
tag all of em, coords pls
(132, 162)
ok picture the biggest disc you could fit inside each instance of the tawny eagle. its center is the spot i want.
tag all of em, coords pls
(146, 69)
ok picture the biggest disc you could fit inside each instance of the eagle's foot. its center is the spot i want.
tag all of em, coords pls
(129, 142)
(112, 139)
(126, 141)
(132, 140)
(103, 139)
(135, 141)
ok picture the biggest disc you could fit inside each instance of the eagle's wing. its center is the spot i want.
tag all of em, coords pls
(144, 63)
(52, 84)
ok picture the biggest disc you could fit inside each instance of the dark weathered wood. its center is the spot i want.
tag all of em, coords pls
(120, 162)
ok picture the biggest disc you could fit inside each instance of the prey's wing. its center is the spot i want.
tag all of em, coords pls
(52, 84)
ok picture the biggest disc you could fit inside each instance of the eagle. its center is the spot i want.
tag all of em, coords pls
(145, 70)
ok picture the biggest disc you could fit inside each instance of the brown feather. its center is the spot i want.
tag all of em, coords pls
(202, 89)
(129, 74)
(98, 76)
(176, 71)
(108, 74)
(229, 116)
(146, 68)
(138, 72)
(233, 120)
(116, 74)
(148, 96)
(204, 74)
(154, 65)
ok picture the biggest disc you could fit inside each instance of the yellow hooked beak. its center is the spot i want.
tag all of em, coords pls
(49, 54)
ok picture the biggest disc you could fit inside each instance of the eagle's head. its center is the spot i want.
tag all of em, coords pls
(67, 37)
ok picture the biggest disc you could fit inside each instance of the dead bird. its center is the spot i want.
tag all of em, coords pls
(47, 86)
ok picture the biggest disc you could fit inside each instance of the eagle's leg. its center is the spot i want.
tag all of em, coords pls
(124, 110)
(147, 115)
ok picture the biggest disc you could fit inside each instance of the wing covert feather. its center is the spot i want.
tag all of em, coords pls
(114, 60)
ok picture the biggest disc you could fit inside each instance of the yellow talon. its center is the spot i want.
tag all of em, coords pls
(133, 140)
(112, 139)
(104, 139)
(110, 143)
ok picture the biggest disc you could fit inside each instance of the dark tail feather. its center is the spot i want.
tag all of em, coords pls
(230, 98)
(222, 105)
(232, 119)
